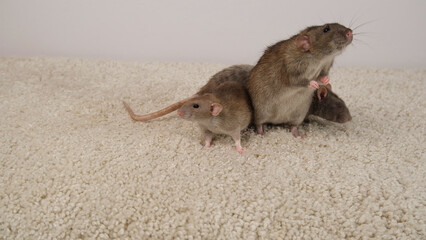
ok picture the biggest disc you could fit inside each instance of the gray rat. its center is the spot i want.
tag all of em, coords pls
(224, 110)
(328, 105)
(282, 83)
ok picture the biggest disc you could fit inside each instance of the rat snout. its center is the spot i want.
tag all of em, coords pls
(184, 114)
(180, 113)
(349, 34)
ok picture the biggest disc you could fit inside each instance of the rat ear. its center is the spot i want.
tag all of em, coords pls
(215, 109)
(303, 43)
(322, 93)
(329, 86)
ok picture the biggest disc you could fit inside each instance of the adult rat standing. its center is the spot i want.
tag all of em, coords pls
(282, 83)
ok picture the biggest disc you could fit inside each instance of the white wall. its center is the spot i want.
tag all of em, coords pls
(223, 31)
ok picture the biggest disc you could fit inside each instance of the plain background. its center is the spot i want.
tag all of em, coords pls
(391, 33)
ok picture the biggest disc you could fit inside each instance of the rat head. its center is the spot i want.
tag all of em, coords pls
(326, 40)
(327, 105)
(201, 108)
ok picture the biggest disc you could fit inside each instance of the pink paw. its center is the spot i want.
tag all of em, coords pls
(313, 84)
(325, 80)
(259, 129)
(240, 150)
(296, 133)
(207, 144)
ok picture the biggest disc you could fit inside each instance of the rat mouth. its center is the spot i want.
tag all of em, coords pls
(183, 115)
(343, 44)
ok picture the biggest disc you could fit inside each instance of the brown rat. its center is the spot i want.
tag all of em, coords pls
(224, 110)
(282, 83)
(237, 73)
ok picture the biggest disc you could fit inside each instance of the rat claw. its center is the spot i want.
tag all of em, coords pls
(325, 80)
(208, 142)
(240, 150)
(313, 84)
(296, 133)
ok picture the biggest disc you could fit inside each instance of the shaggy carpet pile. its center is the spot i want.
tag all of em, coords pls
(75, 166)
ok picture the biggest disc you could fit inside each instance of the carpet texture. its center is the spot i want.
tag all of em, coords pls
(75, 166)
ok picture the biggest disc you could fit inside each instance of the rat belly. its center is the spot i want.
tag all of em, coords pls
(314, 69)
(218, 126)
(292, 106)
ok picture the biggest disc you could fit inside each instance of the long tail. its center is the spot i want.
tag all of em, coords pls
(156, 114)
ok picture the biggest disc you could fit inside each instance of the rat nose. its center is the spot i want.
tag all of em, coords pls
(180, 113)
(349, 34)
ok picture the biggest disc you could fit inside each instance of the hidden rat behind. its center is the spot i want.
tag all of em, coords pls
(226, 109)
(282, 83)
(326, 104)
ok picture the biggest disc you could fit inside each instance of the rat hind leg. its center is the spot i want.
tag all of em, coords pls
(259, 126)
(296, 132)
(259, 129)
(237, 139)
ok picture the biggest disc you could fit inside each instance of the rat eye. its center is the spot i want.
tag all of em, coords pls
(195, 106)
(326, 29)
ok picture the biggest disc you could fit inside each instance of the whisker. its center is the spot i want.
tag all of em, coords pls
(369, 34)
(363, 24)
(362, 33)
(351, 22)
(355, 18)
(361, 41)
(358, 41)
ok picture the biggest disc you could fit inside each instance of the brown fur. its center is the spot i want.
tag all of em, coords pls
(237, 73)
(278, 84)
(235, 114)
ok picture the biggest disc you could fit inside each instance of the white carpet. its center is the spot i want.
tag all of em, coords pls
(75, 166)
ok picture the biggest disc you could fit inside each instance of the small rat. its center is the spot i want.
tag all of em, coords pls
(237, 73)
(224, 110)
(282, 83)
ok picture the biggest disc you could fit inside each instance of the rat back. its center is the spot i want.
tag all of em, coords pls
(238, 73)
(237, 110)
(330, 107)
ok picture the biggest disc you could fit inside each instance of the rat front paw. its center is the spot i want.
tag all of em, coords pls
(313, 84)
(325, 80)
